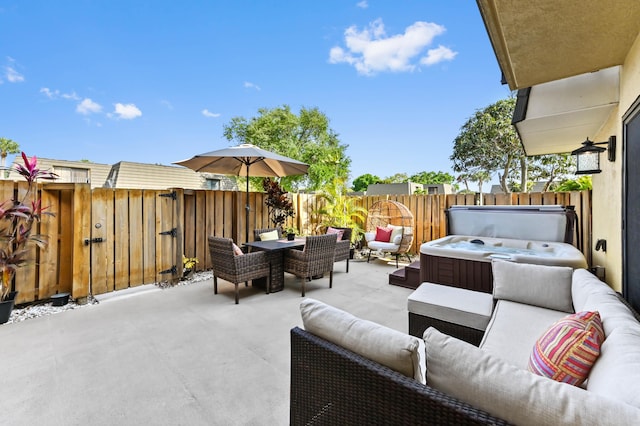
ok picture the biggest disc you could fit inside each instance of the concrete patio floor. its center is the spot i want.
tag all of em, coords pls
(178, 356)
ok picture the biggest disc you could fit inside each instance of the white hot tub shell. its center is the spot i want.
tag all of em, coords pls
(538, 235)
(485, 249)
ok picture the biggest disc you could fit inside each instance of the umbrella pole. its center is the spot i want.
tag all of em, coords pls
(247, 207)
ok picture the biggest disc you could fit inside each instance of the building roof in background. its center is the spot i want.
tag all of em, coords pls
(130, 175)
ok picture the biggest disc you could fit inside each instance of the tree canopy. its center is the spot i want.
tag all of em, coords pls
(488, 144)
(7, 146)
(361, 183)
(306, 137)
(431, 178)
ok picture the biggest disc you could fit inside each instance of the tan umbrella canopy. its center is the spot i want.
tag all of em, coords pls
(245, 160)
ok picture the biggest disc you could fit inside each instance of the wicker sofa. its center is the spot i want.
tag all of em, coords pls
(346, 370)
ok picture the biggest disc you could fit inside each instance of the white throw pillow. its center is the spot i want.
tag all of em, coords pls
(395, 233)
(474, 376)
(269, 236)
(398, 351)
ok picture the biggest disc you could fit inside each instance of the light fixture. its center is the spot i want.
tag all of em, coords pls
(588, 155)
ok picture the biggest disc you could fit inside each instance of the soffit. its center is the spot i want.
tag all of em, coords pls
(562, 114)
(545, 40)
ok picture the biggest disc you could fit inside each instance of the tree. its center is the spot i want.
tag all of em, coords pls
(550, 168)
(7, 146)
(488, 143)
(396, 178)
(361, 183)
(480, 177)
(579, 184)
(432, 178)
(339, 210)
(306, 137)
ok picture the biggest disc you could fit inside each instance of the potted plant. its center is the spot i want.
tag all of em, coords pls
(17, 232)
(291, 233)
(188, 266)
(279, 204)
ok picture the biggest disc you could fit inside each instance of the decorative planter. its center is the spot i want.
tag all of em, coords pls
(59, 299)
(291, 236)
(6, 307)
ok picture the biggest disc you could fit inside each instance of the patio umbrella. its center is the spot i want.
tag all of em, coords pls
(245, 160)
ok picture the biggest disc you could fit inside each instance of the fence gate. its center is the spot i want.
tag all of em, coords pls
(136, 238)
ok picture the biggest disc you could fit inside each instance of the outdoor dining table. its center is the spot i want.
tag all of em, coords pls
(275, 254)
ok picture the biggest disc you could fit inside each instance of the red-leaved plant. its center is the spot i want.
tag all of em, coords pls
(16, 224)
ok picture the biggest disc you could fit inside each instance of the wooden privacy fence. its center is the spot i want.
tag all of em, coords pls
(105, 239)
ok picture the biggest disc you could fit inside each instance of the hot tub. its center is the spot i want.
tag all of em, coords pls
(465, 260)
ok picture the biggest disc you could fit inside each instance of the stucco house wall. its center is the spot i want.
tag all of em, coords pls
(607, 186)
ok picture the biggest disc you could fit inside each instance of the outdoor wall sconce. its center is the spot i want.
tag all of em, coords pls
(588, 155)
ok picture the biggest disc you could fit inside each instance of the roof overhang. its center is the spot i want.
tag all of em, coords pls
(546, 40)
(556, 117)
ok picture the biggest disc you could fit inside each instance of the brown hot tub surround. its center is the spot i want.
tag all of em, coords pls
(522, 234)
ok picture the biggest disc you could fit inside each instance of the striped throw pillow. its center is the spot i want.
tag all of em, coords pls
(567, 351)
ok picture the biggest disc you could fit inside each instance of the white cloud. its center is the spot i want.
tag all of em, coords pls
(72, 96)
(250, 85)
(362, 4)
(48, 93)
(87, 106)
(371, 51)
(127, 112)
(167, 104)
(54, 94)
(208, 113)
(12, 75)
(437, 55)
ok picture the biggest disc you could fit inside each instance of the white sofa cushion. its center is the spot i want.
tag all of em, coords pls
(379, 245)
(616, 373)
(514, 329)
(474, 376)
(538, 285)
(451, 304)
(591, 294)
(398, 351)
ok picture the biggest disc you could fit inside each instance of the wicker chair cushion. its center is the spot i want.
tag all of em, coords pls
(383, 234)
(398, 351)
(237, 250)
(396, 233)
(269, 236)
(537, 285)
(473, 375)
(338, 232)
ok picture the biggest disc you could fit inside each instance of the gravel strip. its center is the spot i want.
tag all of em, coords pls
(42, 309)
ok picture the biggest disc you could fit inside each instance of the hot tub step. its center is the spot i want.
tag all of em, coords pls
(408, 277)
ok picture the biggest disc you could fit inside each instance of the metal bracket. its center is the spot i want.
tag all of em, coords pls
(88, 241)
(173, 270)
(173, 232)
(173, 195)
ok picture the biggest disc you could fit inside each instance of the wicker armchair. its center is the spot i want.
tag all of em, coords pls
(316, 258)
(236, 268)
(343, 246)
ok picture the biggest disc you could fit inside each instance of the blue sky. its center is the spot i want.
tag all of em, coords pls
(155, 82)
